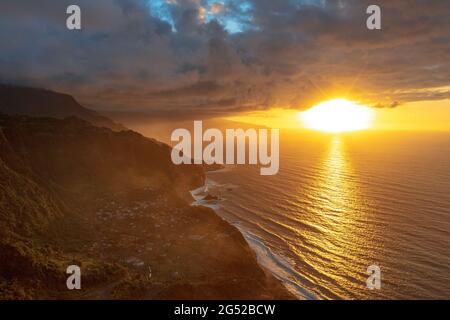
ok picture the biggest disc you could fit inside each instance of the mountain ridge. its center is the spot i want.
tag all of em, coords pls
(37, 102)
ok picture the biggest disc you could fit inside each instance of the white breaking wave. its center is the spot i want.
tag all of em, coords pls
(277, 265)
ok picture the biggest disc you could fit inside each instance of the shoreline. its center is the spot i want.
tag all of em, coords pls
(271, 264)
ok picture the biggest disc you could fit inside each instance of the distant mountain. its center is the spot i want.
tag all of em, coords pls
(36, 102)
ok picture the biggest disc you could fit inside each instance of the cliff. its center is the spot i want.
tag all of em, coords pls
(114, 204)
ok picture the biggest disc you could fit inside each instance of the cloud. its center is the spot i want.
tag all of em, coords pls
(186, 59)
(217, 8)
(390, 106)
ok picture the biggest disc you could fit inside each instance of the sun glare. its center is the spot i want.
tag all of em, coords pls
(338, 115)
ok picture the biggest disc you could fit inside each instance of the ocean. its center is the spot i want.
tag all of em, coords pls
(342, 203)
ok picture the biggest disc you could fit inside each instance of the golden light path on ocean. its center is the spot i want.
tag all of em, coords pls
(337, 115)
(337, 212)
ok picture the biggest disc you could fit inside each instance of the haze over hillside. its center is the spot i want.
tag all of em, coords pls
(114, 204)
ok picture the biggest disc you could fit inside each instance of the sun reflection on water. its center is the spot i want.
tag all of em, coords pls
(338, 211)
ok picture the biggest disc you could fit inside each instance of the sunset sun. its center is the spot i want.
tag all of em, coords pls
(338, 115)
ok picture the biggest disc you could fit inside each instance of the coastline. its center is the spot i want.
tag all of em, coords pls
(133, 234)
(275, 267)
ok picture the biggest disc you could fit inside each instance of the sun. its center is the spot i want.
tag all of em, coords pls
(337, 115)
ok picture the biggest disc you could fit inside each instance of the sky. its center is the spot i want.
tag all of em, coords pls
(209, 58)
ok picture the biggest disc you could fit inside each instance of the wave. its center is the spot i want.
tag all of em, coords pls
(277, 265)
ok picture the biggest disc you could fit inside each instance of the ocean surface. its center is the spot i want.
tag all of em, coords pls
(342, 203)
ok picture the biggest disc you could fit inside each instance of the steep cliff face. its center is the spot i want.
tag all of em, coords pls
(41, 157)
(27, 210)
(52, 174)
(77, 158)
(44, 103)
(25, 204)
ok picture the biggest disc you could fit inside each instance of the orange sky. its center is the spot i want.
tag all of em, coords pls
(421, 115)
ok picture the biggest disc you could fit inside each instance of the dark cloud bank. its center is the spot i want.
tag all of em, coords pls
(289, 54)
